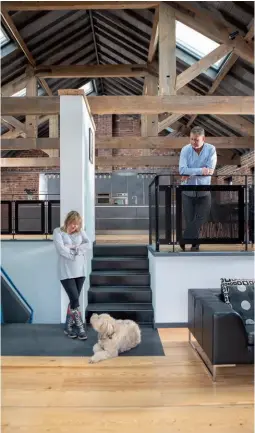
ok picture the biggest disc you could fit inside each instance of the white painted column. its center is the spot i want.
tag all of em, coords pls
(77, 174)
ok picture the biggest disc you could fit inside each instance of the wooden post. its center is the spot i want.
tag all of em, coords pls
(149, 123)
(31, 90)
(167, 50)
(53, 133)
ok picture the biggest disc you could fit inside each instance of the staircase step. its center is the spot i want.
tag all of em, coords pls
(140, 313)
(125, 263)
(118, 278)
(120, 250)
(119, 295)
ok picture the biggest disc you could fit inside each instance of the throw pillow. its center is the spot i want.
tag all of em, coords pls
(239, 294)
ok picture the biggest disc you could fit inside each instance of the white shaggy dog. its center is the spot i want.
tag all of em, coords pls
(114, 336)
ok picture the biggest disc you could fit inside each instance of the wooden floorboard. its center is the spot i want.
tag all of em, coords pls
(139, 239)
(173, 393)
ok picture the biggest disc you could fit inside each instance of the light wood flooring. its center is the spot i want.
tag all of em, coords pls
(137, 239)
(168, 394)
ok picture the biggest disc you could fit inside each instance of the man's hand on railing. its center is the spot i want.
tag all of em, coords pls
(184, 179)
(207, 171)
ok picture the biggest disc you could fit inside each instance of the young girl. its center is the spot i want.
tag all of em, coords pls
(72, 244)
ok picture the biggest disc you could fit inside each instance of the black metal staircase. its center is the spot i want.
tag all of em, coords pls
(120, 283)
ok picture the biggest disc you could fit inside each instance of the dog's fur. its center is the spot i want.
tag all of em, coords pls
(114, 336)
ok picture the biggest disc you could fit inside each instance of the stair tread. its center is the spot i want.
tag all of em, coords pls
(121, 249)
(120, 307)
(120, 288)
(121, 272)
(121, 258)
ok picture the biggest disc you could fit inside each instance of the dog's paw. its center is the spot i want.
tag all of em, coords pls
(92, 360)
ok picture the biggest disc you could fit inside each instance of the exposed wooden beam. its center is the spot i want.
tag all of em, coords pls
(77, 5)
(29, 162)
(149, 124)
(122, 161)
(166, 123)
(92, 71)
(41, 143)
(14, 106)
(154, 37)
(228, 64)
(16, 133)
(191, 120)
(14, 86)
(31, 91)
(220, 76)
(205, 23)
(250, 35)
(167, 50)
(202, 65)
(53, 133)
(45, 86)
(21, 43)
(237, 123)
(167, 142)
(15, 123)
(223, 72)
(13, 30)
(135, 105)
(7, 125)
(172, 104)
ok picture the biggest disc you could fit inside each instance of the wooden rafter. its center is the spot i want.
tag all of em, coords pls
(15, 123)
(202, 65)
(21, 43)
(77, 5)
(206, 23)
(229, 63)
(154, 37)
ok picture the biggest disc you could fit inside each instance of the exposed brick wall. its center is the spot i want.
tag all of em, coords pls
(13, 185)
(247, 163)
(14, 182)
(104, 129)
(103, 124)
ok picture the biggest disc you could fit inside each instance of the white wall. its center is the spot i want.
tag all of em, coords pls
(171, 277)
(32, 266)
(77, 175)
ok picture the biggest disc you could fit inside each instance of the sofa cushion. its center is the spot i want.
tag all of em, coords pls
(239, 294)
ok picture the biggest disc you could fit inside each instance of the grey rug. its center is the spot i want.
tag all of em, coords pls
(49, 340)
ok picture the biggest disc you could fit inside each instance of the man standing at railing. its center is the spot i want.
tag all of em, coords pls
(197, 163)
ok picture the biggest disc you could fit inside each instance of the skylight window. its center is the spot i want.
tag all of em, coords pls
(3, 37)
(88, 88)
(195, 43)
(21, 92)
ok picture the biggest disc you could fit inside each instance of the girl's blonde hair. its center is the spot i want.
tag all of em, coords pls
(72, 216)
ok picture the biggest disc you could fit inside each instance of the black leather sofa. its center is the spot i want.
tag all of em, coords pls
(222, 337)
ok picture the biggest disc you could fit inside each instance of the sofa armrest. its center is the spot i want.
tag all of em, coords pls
(224, 335)
(217, 327)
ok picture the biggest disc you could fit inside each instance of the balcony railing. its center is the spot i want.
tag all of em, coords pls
(29, 217)
(213, 214)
